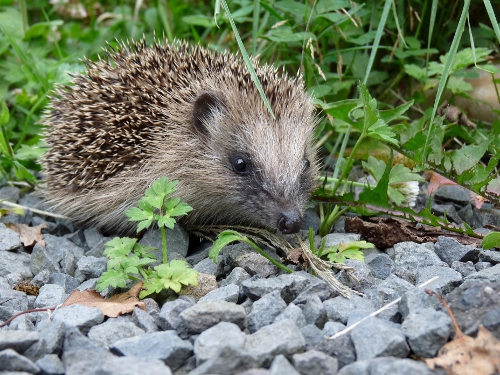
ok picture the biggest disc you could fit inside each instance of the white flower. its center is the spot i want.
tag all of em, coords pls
(410, 191)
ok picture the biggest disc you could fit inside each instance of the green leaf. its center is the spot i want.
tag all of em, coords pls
(180, 210)
(353, 254)
(491, 240)
(113, 278)
(136, 214)
(468, 156)
(166, 221)
(144, 251)
(223, 239)
(119, 247)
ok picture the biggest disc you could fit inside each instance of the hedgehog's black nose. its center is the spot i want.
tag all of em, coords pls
(290, 222)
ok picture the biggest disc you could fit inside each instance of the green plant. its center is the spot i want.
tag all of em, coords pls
(127, 258)
(341, 252)
(228, 236)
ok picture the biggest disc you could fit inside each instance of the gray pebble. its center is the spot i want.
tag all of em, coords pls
(79, 316)
(228, 361)
(339, 308)
(10, 239)
(50, 295)
(165, 346)
(375, 337)
(412, 256)
(314, 362)
(281, 366)
(265, 310)
(450, 250)
(144, 320)
(220, 336)
(17, 340)
(237, 276)
(448, 278)
(111, 331)
(282, 337)
(229, 293)
(314, 311)
(292, 312)
(50, 364)
(381, 265)
(10, 360)
(427, 331)
(92, 267)
(206, 314)
(168, 317)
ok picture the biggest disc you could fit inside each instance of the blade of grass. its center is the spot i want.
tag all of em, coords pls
(493, 19)
(245, 56)
(446, 72)
(161, 6)
(255, 25)
(432, 21)
(378, 36)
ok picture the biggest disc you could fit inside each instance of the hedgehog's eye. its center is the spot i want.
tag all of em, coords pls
(240, 166)
(305, 164)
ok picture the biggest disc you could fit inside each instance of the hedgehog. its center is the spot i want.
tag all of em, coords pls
(192, 115)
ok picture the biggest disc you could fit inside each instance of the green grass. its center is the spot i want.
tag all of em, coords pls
(416, 55)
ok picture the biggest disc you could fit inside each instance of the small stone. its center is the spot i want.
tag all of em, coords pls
(482, 265)
(314, 311)
(265, 310)
(18, 340)
(339, 308)
(491, 320)
(386, 366)
(450, 250)
(228, 361)
(79, 316)
(168, 317)
(11, 262)
(111, 331)
(13, 302)
(206, 283)
(314, 362)
(446, 209)
(381, 266)
(490, 256)
(68, 282)
(281, 366)
(283, 337)
(92, 267)
(337, 238)
(220, 336)
(412, 256)
(209, 267)
(227, 293)
(132, 366)
(293, 313)
(465, 269)
(10, 239)
(341, 347)
(237, 276)
(10, 360)
(254, 288)
(177, 238)
(41, 278)
(362, 273)
(448, 279)
(50, 295)
(255, 264)
(165, 346)
(144, 320)
(453, 193)
(206, 314)
(392, 288)
(50, 364)
(375, 337)
(92, 237)
(416, 299)
(427, 331)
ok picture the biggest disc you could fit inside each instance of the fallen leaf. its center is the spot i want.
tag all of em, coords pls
(118, 304)
(386, 232)
(296, 256)
(454, 114)
(436, 181)
(29, 235)
(478, 200)
(469, 356)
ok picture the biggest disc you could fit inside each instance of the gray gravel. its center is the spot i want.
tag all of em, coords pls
(258, 321)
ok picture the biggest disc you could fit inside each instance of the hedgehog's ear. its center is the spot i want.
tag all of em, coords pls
(203, 109)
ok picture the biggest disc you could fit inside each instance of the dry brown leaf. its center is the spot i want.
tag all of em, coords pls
(29, 235)
(296, 256)
(436, 181)
(386, 232)
(468, 356)
(118, 304)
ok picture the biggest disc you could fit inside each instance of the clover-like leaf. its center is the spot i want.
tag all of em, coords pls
(113, 278)
(119, 247)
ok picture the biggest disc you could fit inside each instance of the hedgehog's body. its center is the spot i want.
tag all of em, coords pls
(188, 114)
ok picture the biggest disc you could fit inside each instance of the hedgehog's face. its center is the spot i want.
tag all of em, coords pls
(268, 165)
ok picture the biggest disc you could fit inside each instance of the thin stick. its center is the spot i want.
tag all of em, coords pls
(348, 329)
(10, 204)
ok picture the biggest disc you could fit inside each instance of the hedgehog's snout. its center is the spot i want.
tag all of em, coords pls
(290, 222)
